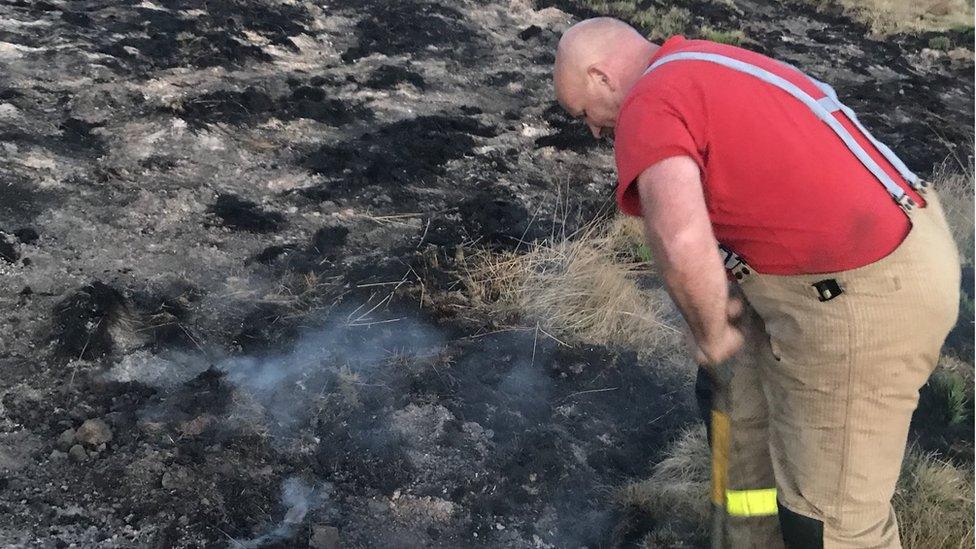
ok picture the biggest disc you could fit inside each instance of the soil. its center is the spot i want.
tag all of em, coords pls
(229, 232)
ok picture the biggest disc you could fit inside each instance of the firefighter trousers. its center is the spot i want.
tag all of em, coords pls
(808, 424)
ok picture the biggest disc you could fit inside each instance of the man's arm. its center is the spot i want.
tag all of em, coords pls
(680, 236)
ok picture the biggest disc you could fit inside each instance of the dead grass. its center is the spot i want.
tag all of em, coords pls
(582, 287)
(676, 493)
(933, 500)
(659, 22)
(733, 37)
(890, 16)
(954, 182)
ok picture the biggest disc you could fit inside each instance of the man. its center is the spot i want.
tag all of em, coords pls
(843, 257)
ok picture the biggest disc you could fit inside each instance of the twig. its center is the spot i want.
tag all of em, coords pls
(571, 395)
(423, 236)
(356, 324)
(193, 339)
(239, 544)
(552, 337)
(372, 284)
(535, 341)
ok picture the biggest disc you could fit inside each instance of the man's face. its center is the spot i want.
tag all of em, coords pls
(590, 98)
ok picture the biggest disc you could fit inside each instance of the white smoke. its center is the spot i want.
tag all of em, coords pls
(300, 499)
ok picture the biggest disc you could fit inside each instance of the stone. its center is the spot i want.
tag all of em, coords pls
(324, 537)
(93, 432)
(77, 453)
(66, 439)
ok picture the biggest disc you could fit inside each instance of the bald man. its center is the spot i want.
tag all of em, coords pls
(842, 255)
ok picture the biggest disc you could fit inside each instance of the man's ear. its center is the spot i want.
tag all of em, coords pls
(600, 77)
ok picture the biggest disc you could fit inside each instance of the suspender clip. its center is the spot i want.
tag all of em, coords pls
(906, 203)
(921, 185)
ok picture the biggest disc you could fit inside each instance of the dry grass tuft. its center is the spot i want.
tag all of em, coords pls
(890, 16)
(658, 21)
(582, 287)
(676, 493)
(934, 502)
(954, 183)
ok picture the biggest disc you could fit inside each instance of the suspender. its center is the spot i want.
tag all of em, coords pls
(823, 108)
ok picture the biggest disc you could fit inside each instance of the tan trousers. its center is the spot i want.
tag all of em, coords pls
(818, 404)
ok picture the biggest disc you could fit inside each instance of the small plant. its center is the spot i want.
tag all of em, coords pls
(732, 38)
(643, 253)
(948, 392)
(940, 43)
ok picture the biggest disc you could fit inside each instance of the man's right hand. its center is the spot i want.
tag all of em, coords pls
(722, 348)
(726, 343)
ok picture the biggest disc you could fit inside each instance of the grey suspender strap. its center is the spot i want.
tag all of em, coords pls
(823, 109)
(832, 104)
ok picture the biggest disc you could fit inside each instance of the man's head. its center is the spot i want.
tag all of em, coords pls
(598, 61)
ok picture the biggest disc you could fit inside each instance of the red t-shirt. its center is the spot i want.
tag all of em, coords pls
(782, 190)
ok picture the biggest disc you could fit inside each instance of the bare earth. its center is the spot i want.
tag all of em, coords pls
(229, 235)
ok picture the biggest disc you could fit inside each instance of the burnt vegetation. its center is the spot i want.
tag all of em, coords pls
(329, 272)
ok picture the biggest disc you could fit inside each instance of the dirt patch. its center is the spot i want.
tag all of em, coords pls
(397, 154)
(167, 38)
(264, 329)
(388, 77)
(253, 106)
(280, 343)
(498, 218)
(78, 137)
(85, 320)
(167, 315)
(414, 28)
(227, 106)
(21, 201)
(570, 135)
(242, 214)
(8, 251)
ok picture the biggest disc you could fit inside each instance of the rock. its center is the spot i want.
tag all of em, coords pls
(57, 455)
(77, 453)
(93, 432)
(7, 251)
(174, 478)
(324, 537)
(66, 440)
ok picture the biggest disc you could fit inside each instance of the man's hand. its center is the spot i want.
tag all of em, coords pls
(728, 341)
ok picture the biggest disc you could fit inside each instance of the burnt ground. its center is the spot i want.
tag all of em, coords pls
(222, 225)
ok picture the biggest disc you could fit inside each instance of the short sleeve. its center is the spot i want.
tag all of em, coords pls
(652, 125)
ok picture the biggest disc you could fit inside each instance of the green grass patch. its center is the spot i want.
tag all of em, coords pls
(732, 38)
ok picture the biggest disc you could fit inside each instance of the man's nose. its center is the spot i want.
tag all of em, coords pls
(594, 129)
